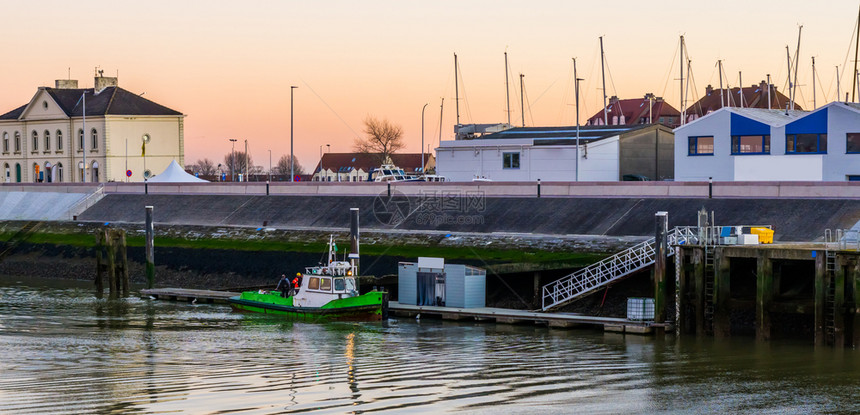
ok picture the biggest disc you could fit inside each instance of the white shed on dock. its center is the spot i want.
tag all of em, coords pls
(431, 282)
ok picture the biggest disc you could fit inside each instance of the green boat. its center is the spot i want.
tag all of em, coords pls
(326, 292)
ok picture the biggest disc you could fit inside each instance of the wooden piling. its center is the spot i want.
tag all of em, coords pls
(110, 247)
(123, 263)
(100, 266)
(854, 305)
(764, 296)
(661, 230)
(150, 257)
(722, 294)
(820, 295)
(699, 287)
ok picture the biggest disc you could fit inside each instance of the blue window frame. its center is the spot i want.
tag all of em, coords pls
(750, 144)
(510, 160)
(806, 144)
(854, 177)
(701, 146)
(852, 143)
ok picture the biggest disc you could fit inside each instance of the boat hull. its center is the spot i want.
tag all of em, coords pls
(368, 307)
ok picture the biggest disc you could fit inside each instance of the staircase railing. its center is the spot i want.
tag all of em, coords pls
(87, 202)
(624, 263)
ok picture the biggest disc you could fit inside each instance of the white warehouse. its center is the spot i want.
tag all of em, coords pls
(750, 144)
(606, 153)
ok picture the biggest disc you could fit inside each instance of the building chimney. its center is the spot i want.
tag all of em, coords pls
(709, 90)
(101, 82)
(66, 84)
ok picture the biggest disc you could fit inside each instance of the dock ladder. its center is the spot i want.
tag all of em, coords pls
(831, 244)
(611, 269)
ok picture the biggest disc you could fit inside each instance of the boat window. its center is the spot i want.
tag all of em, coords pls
(325, 284)
(338, 284)
(350, 284)
(314, 283)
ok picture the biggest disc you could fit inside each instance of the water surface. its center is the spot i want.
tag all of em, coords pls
(64, 351)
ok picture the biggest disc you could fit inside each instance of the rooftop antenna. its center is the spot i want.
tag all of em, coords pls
(507, 89)
(603, 76)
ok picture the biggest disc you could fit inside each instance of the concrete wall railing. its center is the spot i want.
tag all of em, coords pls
(792, 190)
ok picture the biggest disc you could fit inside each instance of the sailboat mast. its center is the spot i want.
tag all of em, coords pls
(522, 100)
(814, 104)
(456, 88)
(741, 89)
(603, 76)
(796, 64)
(507, 89)
(856, 45)
(768, 92)
(837, 83)
(788, 62)
(576, 91)
(720, 69)
(441, 112)
(683, 107)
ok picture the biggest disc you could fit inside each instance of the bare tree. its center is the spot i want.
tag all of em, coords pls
(205, 167)
(242, 159)
(382, 138)
(283, 166)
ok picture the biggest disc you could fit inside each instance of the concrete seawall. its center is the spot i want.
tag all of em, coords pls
(792, 219)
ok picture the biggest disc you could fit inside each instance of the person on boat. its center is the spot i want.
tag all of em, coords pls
(297, 282)
(283, 285)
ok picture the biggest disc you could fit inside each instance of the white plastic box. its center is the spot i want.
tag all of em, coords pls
(640, 309)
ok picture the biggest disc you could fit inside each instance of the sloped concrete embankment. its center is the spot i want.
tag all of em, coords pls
(792, 219)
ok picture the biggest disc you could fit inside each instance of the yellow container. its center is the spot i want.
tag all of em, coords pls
(765, 235)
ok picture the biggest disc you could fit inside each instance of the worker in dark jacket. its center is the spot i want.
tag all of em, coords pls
(283, 286)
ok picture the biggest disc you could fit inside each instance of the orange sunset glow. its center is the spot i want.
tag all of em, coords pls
(229, 65)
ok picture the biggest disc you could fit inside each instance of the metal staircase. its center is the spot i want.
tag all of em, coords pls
(613, 268)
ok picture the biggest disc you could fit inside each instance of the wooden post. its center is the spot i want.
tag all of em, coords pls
(661, 229)
(111, 264)
(764, 296)
(699, 287)
(722, 294)
(123, 260)
(839, 303)
(820, 294)
(100, 286)
(854, 306)
(681, 299)
(150, 257)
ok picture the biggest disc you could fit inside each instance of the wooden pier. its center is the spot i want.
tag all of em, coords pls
(498, 315)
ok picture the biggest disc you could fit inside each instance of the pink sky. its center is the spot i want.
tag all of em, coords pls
(229, 65)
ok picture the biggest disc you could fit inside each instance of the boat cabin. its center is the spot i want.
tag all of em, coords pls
(323, 283)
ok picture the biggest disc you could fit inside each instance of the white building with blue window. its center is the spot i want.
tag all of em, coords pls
(606, 153)
(750, 144)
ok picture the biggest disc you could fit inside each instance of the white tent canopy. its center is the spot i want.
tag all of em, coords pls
(174, 173)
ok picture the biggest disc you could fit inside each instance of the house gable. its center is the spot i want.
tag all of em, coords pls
(42, 107)
(745, 126)
(814, 123)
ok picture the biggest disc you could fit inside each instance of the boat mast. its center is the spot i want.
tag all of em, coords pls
(522, 100)
(741, 89)
(814, 104)
(856, 44)
(720, 69)
(576, 91)
(768, 92)
(456, 89)
(837, 83)
(441, 112)
(788, 62)
(603, 76)
(507, 89)
(683, 108)
(796, 63)
(331, 257)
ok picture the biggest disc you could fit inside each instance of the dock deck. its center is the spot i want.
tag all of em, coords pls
(499, 315)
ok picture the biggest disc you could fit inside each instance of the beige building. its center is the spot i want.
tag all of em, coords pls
(50, 139)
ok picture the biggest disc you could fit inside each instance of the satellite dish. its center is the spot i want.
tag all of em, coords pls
(146, 138)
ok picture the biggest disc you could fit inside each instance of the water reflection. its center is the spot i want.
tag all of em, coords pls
(64, 351)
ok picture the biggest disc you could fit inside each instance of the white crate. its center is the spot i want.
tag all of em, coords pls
(640, 309)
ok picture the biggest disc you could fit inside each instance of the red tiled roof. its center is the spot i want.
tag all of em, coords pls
(635, 110)
(754, 97)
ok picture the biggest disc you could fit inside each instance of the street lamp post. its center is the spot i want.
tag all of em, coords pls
(422, 139)
(233, 160)
(270, 164)
(328, 150)
(245, 158)
(292, 173)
